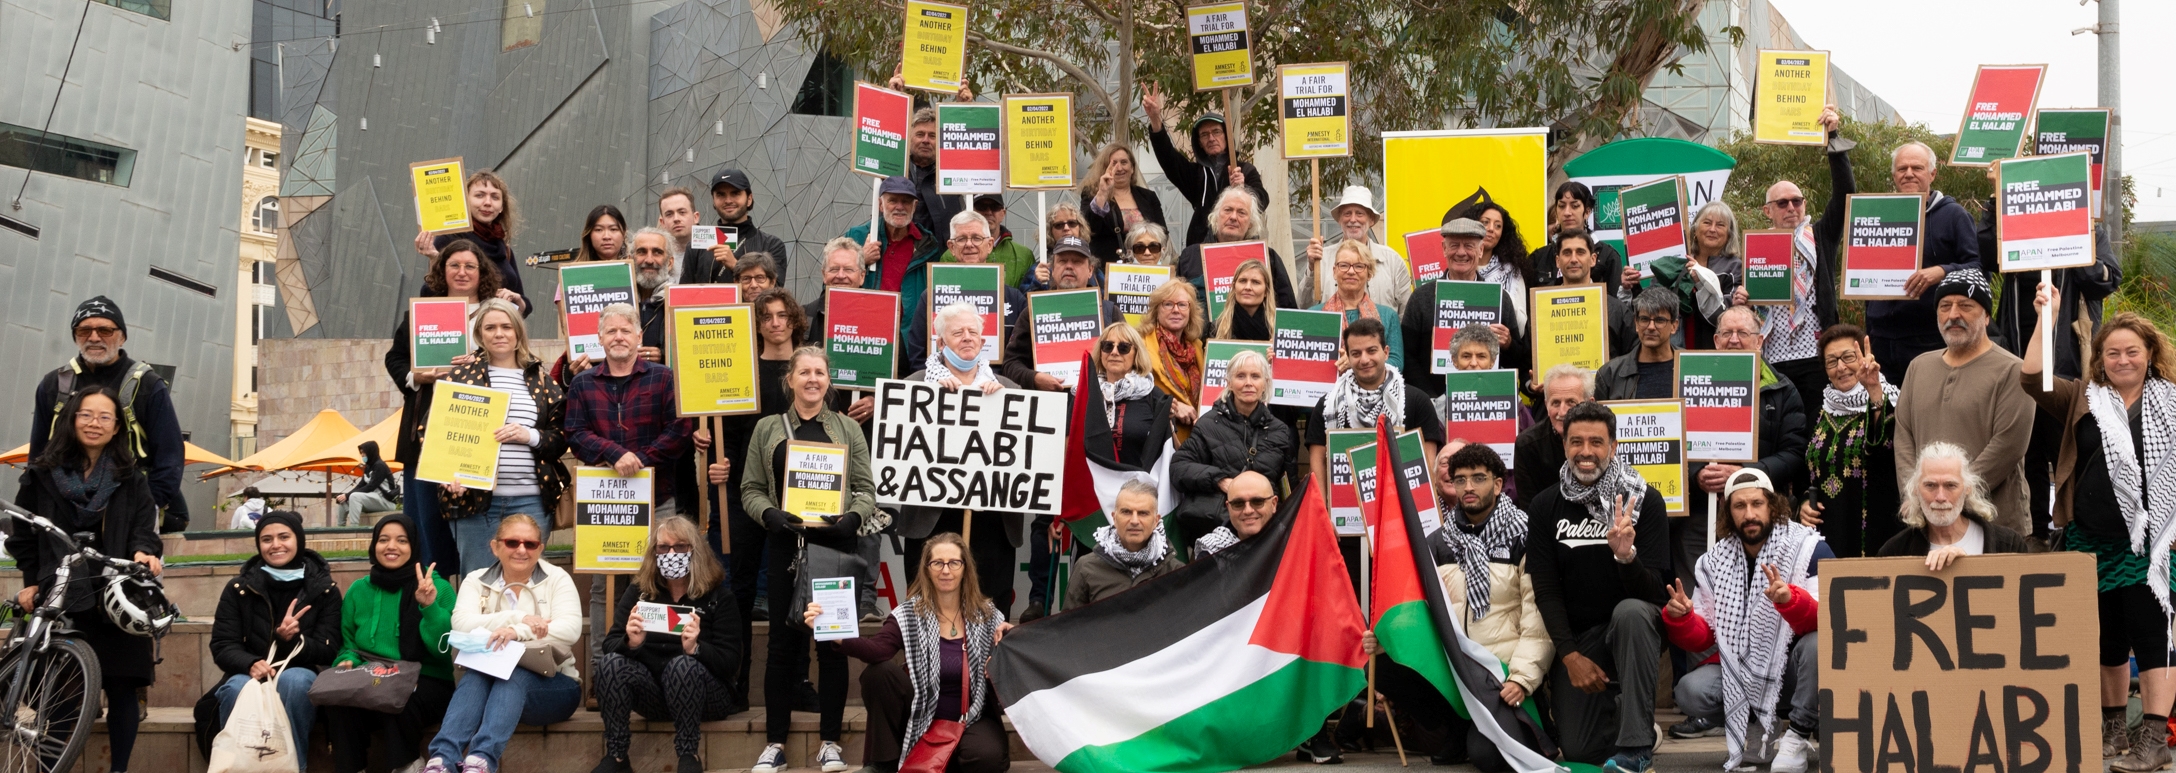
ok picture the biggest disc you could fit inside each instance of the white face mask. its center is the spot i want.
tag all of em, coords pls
(674, 566)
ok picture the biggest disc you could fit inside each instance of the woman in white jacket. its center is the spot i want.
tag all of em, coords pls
(520, 601)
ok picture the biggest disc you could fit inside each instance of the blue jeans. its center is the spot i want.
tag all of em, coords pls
(474, 533)
(294, 689)
(485, 710)
(419, 499)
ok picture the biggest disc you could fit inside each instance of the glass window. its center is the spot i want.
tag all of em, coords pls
(828, 89)
(267, 217)
(157, 9)
(27, 148)
(523, 24)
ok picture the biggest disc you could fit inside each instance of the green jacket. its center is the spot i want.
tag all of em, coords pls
(759, 492)
(1018, 260)
(916, 282)
(370, 626)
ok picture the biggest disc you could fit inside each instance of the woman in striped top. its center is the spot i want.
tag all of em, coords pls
(530, 477)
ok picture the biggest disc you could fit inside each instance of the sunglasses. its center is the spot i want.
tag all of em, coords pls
(669, 548)
(1794, 201)
(1146, 248)
(1117, 347)
(521, 544)
(89, 331)
(1250, 503)
(1065, 224)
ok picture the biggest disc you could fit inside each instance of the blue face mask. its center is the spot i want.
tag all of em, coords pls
(284, 575)
(472, 641)
(957, 362)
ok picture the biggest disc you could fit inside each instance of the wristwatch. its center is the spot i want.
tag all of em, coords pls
(1627, 560)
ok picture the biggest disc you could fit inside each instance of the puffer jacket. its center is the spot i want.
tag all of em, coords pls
(1512, 630)
(246, 624)
(1223, 445)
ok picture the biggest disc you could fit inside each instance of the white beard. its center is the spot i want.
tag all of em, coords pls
(1940, 518)
(1587, 478)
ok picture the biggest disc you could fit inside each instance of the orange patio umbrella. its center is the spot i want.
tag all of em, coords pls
(323, 431)
(190, 454)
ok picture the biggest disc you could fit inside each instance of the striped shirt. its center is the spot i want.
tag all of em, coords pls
(517, 466)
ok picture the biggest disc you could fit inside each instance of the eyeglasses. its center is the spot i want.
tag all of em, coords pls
(947, 564)
(1117, 347)
(969, 239)
(664, 548)
(1644, 321)
(1850, 360)
(1176, 305)
(1147, 248)
(1735, 335)
(90, 331)
(94, 419)
(1471, 481)
(1352, 267)
(1250, 503)
(521, 544)
(1066, 224)
(1794, 201)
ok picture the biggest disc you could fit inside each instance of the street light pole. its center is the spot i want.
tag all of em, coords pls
(2111, 97)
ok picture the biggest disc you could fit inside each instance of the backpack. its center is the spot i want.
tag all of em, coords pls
(64, 381)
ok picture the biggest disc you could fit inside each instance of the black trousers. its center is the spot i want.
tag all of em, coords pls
(789, 648)
(399, 736)
(889, 693)
(1418, 700)
(990, 549)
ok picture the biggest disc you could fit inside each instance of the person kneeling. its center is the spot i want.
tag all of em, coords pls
(684, 675)
(1130, 551)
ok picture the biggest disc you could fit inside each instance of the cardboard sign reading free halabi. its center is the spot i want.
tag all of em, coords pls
(938, 447)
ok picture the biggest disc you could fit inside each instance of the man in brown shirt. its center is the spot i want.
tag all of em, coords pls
(1966, 393)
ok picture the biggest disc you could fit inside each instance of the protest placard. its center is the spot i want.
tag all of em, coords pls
(1303, 355)
(713, 360)
(880, 130)
(1038, 139)
(459, 444)
(1459, 304)
(1424, 255)
(1216, 363)
(1767, 256)
(981, 285)
(2046, 217)
(861, 332)
(704, 237)
(969, 157)
(1066, 324)
(1342, 490)
(1571, 324)
(937, 447)
(677, 296)
(611, 519)
(1654, 222)
(1789, 90)
(1312, 113)
(815, 480)
(1721, 393)
(2072, 130)
(1995, 113)
(1651, 438)
(441, 196)
(1129, 285)
(1222, 57)
(1430, 174)
(437, 331)
(586, 288)
(1219, 262)
(1881, 244)
(1413, 464)
(1987, 665)
(1484, 408)
(933, 46)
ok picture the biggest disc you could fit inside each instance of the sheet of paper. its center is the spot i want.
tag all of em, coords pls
(835, 595)
(703, 237)
(499, 663)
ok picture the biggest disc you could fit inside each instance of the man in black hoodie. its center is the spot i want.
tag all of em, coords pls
(148, 421)
(1209, 172)
(1903, 330)
(734, 197)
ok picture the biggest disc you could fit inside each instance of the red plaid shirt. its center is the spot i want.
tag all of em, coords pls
(608, 416)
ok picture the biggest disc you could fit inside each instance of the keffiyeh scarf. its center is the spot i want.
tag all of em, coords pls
(1853, 403)
(1133, 386)
(935, 372)
(2149, 513)
(1754, 639)
(1215, 541)
(1500, 538)
(1349, 406)
(1618, 479)
(1133, 561)
(925, 662)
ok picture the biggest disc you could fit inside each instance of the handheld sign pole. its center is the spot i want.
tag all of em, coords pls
(2047, 339)
(1042, 227)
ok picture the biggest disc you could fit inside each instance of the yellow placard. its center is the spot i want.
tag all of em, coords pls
(713, 360)
(441, 199)
(1789, 90)
(1651, 438)
(1314, 110)
(460, 444)
(1038, 141)
(1571, 324)
(1221, 45)
(612, 519)
(933, 47)
(815, 484)
(1428, 174)
(1129, 284)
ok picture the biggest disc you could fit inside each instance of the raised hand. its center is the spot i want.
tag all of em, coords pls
(1778, 591)
(426, 591)
(1152, 104)
(1621, 534)
(1679, 606)
(291, 626)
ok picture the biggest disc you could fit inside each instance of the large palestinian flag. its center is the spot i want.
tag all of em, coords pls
(1091, 487)
(1229, 662)
(1414, 626)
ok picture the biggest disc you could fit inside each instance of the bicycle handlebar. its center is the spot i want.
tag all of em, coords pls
(16, 512)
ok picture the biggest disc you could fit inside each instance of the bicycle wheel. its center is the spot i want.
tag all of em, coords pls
(52, 703)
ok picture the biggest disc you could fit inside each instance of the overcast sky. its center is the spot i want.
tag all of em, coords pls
(1920, 56)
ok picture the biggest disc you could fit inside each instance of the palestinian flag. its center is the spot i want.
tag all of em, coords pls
(1091, 487)
(1229, 662)
(1414, 626)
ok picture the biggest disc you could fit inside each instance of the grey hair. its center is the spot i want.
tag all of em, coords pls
(1476, 334)
(1914, 514)
(650, 230)
(1730, 218)
(967, 216)
(842, 244)
(1148, 227)
(1252, 357)
(1934, 162)
(1052, 215)
(958, 308)
(1139, 487)
(1254, 212)
(1749, 313)
(622, 310)
(1655, 300)
(1568, 370)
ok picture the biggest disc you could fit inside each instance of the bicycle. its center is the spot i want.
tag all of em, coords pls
(50, 680)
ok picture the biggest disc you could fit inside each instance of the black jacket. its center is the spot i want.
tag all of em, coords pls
(1199, 183)
(718, 644)
(154, 409)
(1577, 581)
(1222, 446)
(937, 210)
(1189, 268)
(243, 628)
(1144, 424)
(551, 415)
(1417, 323)
(2083, 288)
(1828, 231)
(1913, 542)
(699, 267)
(1019, 364)
(129, 525)
(1785, 428)
(1107, 230)
(415, 401)
(1538, 454)
(377, 479)
(502, 258)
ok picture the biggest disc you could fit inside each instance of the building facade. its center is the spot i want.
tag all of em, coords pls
(253, 273)
(1711, 98)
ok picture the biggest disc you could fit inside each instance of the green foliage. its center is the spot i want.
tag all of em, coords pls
(2149, 277)
(1760, 166)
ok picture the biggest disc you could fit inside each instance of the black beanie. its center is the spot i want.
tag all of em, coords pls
(100, 306)
(1968, 282)
(288, 518)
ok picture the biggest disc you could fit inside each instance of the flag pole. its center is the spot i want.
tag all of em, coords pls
(1395, 741)
(1711, 520)
(725, 524)
(1314, 189)
(2047, 340)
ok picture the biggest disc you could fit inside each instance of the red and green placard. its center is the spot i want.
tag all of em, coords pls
(1651, 438)
(1424, 255)
(969, 157)
(1216, 362)
(1881, 244)
(2073, 130)
(1344, 493)
(1066, 324)
(1996, 113)
(880, 130)
(1413, 464)
(1767, 256)
(1303, 354)
(1219, 262)
(437, 331)
(587, 289)
(1484, 408)
(2046, 205)
(1459, 304)
(1721, 393)
(1654, 221)
(861, 332)
(702, 295)
(980, 284)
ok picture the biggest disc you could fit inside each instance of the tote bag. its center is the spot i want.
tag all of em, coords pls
(257, 738)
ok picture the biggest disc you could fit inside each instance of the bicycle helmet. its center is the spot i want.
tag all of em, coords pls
(139, 606)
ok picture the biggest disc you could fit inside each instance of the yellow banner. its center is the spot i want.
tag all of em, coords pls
(1313, 101)
(1038, 141)
(1789, 90)
(611, 519)
(1129, 285)
(1222, 57)
(815, 480)
(713, 360)
(1651, 438)
(441, 199)
(933, 50)
(459, 440)
(1428, 174)
(1570, 325)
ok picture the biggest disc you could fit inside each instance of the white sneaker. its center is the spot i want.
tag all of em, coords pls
(1792, 751)
(772, 760)
(832, 758)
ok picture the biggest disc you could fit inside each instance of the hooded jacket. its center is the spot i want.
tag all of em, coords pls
(243, 629)
(1199, 183)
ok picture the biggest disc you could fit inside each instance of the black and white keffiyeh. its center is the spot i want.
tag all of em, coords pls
(1215, 541)
(1349, 406)
(1133, 386)
(935, 372)
(1501, 537)
(2150, 514)
(1617, 479)
(1133, 561)
(925, 662)
(1753, 638)
(1854, 402)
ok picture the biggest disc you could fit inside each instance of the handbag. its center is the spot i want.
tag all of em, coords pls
(544, 659)
(383, 686)
(257, 738)
(816, 561)
(932, 753)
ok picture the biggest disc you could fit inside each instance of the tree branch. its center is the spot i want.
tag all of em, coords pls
(1060, 61)
(1100, 13)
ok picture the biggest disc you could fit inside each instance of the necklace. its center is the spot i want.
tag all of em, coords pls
(950, 625)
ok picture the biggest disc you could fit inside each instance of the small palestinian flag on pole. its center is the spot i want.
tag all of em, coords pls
(1091, 487)
(1414, 625)
(1229, 662)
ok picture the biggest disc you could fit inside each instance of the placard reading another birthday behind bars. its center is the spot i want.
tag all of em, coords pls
(939, 447)
(459, 444)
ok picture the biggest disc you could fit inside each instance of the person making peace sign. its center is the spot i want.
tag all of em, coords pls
(281, 609)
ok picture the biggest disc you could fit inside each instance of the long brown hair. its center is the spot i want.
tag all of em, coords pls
(973, 606)
(2159, 354)
(1102, 163)
(506, 220)
(703, 571)
(1269, 299)
(487, 272)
